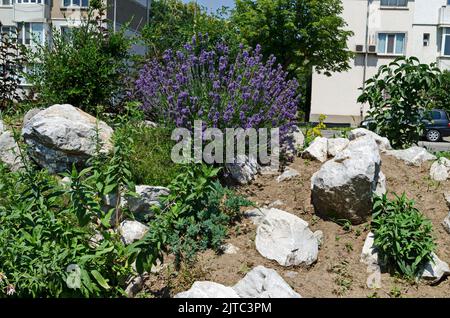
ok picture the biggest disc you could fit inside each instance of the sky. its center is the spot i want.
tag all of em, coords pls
(213, 5)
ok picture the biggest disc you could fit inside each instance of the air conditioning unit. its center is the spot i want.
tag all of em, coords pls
(372, 49)
(359, 48)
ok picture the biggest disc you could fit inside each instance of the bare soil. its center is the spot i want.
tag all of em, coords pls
(338, 271)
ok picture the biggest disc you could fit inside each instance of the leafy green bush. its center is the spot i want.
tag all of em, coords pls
(399, 95)
(84, 68)
(403, 236)
(196, 216)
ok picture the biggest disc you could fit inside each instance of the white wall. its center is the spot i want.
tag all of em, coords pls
(336, 96)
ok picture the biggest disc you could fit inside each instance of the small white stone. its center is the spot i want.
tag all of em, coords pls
(229, 248)
(287, 175)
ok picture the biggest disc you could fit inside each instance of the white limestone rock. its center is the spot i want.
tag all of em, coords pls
(382, 142)
(336, 145)
(131, 231)
(287, 239)
(414, 156)
(208, 290)
(262, 282)
(287, 175)
(63, 135)
(434, 271)
(439, 169)
(344, 186)
(244, 170)
(317, 150)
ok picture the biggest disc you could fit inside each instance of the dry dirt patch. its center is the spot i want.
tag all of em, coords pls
(338, 271)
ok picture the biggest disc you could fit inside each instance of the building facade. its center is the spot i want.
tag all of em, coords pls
(37, 19)
(383, 30)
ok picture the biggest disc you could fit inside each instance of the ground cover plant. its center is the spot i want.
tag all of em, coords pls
(403, 236)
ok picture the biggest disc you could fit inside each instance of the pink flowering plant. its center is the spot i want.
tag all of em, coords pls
(200, 84)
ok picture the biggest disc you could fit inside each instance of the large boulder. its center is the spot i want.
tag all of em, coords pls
(382, 142)
(208, 290)
(344, 186)
(244, 169)
(413, 156)
(287, 239)
(9, 150)
(439, 169)
(263, 282)
(30, 114)
(63, 135)
(317, 150)
(336, 145)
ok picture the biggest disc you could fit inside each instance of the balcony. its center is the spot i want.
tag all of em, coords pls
(444, 16)
(31, 12)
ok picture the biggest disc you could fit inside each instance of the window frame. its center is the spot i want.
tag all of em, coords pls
(11, 3)
(387, 33)
(22, 34)
(46, 2)
(445, 38)
(74, 6)
(394, 6)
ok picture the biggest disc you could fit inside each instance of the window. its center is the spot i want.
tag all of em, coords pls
(33, 1)
(426, 39)
(435, 115)
(6, 2)
(75, 3)
(6, 30)
(30, 33)
(391, 43)
(446, 42)
(395, 3)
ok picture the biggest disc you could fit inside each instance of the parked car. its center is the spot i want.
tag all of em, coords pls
(437, 125)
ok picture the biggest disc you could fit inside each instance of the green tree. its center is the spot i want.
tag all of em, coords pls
(85, 67)
(174, 23)
(304, 35)
(441, 95)
(399, 96)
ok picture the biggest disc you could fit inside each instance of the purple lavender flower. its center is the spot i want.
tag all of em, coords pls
(200, 84)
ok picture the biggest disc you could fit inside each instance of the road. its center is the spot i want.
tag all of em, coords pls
(431, 146)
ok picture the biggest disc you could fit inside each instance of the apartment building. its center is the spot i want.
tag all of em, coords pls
(36, 19)
(383, 30)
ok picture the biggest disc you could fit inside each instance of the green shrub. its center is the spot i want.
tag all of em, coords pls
(85, 68)
(403, 236)
(198, 213)
(398, 95)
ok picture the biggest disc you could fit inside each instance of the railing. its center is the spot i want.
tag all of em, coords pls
(31, 12)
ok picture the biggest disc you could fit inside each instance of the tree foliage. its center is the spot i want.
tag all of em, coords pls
(84, 68)
(302, 34)
(399, 96)
(173, 23)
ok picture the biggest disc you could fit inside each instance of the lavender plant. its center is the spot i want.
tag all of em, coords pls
(200, 84)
